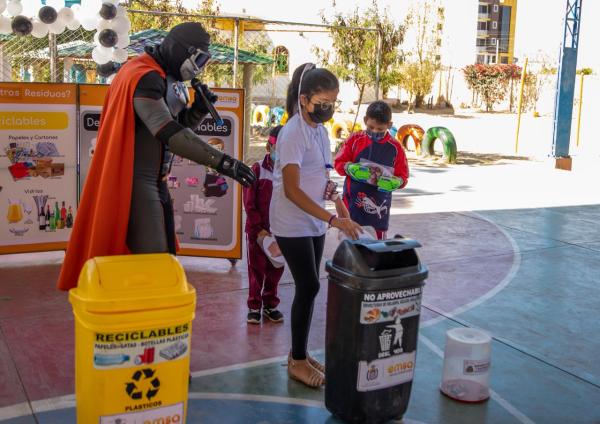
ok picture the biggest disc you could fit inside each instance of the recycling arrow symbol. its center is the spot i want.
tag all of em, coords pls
(144, 382)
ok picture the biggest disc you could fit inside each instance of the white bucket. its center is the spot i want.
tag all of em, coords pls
(467, 360)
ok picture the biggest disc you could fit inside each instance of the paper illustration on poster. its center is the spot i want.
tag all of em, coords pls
(38, 163)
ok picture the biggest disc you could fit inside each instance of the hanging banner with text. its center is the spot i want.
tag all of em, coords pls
(207, 205)
(38, 166)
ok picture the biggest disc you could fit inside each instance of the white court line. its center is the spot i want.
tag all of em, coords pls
(15, 411)
(68, 401)
(236, 367)
(505, 281)
(521, 417)
(257, 398)
(52, 404)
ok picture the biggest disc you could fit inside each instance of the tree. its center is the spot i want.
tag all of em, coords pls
(352, 56)
(492, 82)
(425, 22)
(392, 36)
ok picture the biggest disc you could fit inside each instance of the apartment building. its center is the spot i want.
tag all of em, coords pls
(496, 22)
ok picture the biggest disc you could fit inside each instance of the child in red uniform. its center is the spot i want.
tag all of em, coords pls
(263, 275)
(381, 160)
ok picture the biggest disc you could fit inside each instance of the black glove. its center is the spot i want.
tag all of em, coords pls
(237, 170)
(198, 104)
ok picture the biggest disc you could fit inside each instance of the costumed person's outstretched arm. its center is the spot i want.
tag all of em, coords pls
(153, 111)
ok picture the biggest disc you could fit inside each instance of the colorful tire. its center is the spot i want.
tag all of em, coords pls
(338, 130)
(447, 139)
(414, 131)
(276, 115)
(260, 116)
(357, 127)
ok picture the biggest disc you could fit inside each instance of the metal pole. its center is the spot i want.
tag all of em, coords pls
(378, 65)
(523, 75)
(53, 57)
(236, 50)
(565, 85)
(580, 104)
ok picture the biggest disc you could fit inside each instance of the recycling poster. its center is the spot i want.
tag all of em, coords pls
(38, 166)
(207, 205)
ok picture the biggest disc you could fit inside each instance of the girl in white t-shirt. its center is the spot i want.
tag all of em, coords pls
(299, 219)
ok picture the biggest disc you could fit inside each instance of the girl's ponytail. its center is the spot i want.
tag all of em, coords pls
(291, 103)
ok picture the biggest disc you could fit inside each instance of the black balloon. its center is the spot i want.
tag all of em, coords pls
(108, 38)
(108, 11)
(21, 25)
(48, 15)
(107, 69)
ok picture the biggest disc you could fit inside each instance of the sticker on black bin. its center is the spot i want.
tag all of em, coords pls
(386, 314)
(388, 306)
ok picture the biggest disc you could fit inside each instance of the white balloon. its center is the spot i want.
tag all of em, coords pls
(73, 25)
(115, 2)
(5, 25)
(100, 55)
(57, 27)
(121, 11)
(120, 55)
(103, 24)
(97, 39)
(65, 15)
(76, 11)
(40, 29)
(2, 5)
(31, 8)
(93, 6)
(89, 22)
(14, 7)
(123, 42)
(121, 25)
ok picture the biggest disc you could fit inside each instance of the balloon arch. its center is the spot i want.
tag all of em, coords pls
(105, 17)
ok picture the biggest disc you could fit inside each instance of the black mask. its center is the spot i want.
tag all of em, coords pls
(320, 115)
(176, 46)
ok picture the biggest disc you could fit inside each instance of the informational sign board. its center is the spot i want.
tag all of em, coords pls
(38, 166)
(91, 99)
(207, 206)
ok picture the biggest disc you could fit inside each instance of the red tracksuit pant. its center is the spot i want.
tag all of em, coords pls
(263, 276)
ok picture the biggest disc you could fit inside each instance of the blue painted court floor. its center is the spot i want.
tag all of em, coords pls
(529, 276)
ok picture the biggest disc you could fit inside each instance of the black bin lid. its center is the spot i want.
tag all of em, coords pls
(377, 264)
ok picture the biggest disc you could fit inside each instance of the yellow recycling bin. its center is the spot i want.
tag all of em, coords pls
(133, 325)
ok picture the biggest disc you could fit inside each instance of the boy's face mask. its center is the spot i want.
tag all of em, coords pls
(376, 136)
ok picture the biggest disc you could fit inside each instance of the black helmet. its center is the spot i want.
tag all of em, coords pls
(184, 51)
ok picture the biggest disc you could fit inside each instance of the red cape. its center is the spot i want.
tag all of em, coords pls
(100, 227)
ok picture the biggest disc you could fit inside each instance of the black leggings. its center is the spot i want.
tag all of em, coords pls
(303, 256)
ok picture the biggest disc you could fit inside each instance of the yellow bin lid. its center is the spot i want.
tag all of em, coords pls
(131, 283)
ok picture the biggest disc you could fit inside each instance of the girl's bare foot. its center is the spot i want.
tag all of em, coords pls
(302, 371)
(315, 364)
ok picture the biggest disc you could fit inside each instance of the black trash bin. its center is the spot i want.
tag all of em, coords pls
(373, 309)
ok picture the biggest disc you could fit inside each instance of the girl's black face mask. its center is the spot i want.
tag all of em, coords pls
(320, 115)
